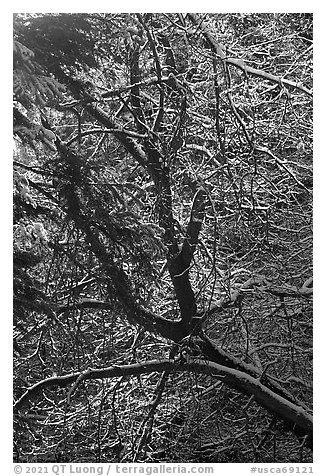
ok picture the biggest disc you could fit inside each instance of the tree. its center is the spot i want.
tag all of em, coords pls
(162, 231)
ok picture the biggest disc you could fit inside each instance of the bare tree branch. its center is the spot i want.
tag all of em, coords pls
(221, 52)
(299, 419)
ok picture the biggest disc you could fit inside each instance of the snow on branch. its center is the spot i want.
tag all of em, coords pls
(294, 415)
(221, 52)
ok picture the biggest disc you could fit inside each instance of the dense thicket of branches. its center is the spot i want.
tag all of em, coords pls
(163, 237)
